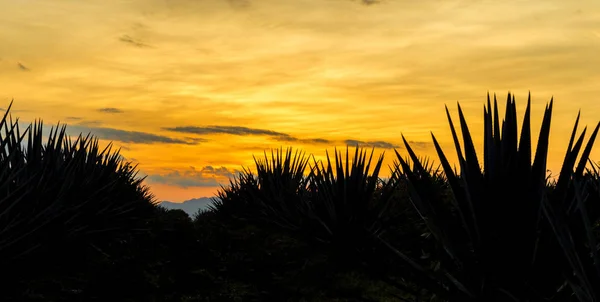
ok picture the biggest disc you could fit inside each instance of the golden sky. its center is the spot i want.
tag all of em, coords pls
(191, 89)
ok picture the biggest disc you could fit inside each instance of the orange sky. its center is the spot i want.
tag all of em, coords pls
(192, 88)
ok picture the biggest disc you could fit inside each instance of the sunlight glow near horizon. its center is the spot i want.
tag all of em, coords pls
(310, 74)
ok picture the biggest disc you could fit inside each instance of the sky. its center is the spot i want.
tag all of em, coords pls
(192, 89)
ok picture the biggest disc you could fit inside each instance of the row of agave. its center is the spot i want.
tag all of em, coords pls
(61, 199)
(332, 204)
(501, 232)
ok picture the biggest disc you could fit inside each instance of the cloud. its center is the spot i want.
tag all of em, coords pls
(196, 139)
(73, 118)
(289, 138)
(317, 141)
(90, 123)
(110, 110)
(127, 136)
(372, 144)
(244, 131)
(134, 42)
(207, 176)
(277, 136)
(419, 145)
(370, 2)
(234, 130)
(23, 67)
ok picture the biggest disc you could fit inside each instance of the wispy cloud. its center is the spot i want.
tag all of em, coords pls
(370, 2)
(373, 144)
(23, 67)
(313, 141)
(234, 130)
(419, 145)
(127, 136)
(277, 136)
(196, 139)
(131, 41)
(110, 110)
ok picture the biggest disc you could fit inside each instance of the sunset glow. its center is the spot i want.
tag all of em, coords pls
(190, 90)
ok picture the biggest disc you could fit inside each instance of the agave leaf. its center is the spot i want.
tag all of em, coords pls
(459, 153)
(586, 152)
(456, 187)
(538, 168)
(569, 162)
(462, 201)
(473, 167)
(524, 150)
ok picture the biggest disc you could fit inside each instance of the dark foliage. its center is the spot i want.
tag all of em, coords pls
(510, 236)
(62, 203)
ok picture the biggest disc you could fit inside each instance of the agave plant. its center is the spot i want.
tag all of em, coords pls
(510, 236)
(350, 202)
(277, 194)
(333, 203)
(63, 197)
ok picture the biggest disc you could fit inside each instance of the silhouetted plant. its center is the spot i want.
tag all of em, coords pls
(333, 203)
(277, 194)
(350, 202)
(513, 237)
(61, 200)
(340, 207)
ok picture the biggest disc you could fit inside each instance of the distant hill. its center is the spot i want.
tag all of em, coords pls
(191, 206)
